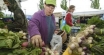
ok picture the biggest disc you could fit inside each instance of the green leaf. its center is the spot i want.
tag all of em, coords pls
(2, 37)
(10, 54)
(2, 43)
(11, 37)
(36, 51)
(9, 43)
(20, 51)
(17, 40)
(3, 31)
(16, 45)
(11, 33)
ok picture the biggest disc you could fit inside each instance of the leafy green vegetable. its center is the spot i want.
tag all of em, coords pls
(10, 44)
(96, 21)
(16, 45)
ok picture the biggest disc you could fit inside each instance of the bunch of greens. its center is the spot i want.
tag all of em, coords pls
(96, 21)
(11, 43)
(97, 47)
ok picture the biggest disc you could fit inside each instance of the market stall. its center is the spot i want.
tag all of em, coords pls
(88, 41)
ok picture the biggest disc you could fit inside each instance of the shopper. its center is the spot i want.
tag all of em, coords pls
(69, 20)
(20, 22)
(41, 26)
(69, 17)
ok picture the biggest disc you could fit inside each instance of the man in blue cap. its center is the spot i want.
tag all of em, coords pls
(41, 26)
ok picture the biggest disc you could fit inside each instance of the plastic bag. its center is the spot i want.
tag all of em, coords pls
(56, 43)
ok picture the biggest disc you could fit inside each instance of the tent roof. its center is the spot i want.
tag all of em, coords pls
(88, 12)
(82, 12)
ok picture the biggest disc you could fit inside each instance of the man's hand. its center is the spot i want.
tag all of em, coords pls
(36, 41)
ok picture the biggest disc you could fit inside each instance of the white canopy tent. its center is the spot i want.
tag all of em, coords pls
(81, 12)
(88, 12)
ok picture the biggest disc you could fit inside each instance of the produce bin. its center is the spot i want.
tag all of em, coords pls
(63, 35)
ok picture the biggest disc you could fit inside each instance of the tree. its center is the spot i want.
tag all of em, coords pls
(41, 5)
(1, 14)
(95, 4)
(64, 5)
